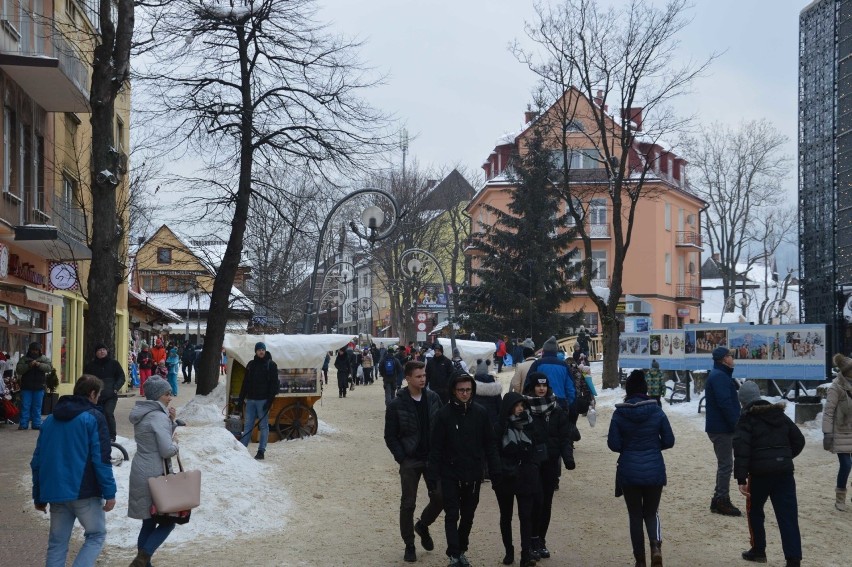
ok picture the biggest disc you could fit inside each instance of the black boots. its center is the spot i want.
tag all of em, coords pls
(723, 506)
(755, 555)
(527, 560)
(260, 454)
(425, 539)
(539, 549)
(640, 559)
(410, 554)
(509, 558)
(656, 554)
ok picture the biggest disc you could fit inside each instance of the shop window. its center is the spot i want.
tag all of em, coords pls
(164, 255)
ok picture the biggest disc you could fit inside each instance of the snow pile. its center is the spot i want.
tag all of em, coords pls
(205, 410)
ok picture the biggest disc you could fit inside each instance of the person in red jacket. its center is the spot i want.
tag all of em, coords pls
(158, 352)
(499, 354)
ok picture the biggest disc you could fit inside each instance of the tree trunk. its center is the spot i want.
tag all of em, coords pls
(611, 378)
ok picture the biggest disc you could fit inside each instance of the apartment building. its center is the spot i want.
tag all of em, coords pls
(661, 271)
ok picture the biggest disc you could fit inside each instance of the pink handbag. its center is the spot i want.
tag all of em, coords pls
(175, 492)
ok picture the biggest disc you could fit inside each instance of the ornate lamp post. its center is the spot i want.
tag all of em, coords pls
(738, 298)
(411, 264)
(373, 220)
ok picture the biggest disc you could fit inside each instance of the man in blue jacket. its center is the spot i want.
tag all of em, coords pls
(722, 414)
(72, 472)
(558, 374)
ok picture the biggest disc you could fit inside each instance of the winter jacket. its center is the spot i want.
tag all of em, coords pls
(33, 377)
(558, 375)
(722, 405)
(837, 415)
(500, 348)
(159, 354)
(439, 370)
(639, 431)
(188, 355)
(765, 441)
(145, 360)
(72, 455)
(462, 442)
(402, 425)
(489, 395)
(325, 362)
(261, 379)
(153, 431)
(555, 428)
(111, 374)
(520, 463)
(520, 376)
(656, 383)
(341, 364)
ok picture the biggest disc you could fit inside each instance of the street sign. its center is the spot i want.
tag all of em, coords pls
(421, 337)
(421, 316)
(421, 327)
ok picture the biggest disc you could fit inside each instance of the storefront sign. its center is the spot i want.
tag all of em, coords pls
(63, 275)
(24, 271)
(4, 261)
(683, 312)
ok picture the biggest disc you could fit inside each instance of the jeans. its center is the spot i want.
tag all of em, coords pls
(723, 446)
(845, 460)
(254, 411)
(781, 489)
(187, 372)
(108, 407)
(90, 513)
(31, 401)
(460, 502)
(643, 503)
(153, 534)
(390, 393)
(410, 471)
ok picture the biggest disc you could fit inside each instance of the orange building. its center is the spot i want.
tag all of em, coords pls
(661, 270)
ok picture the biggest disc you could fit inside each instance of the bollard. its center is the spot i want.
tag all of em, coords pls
(807, 408)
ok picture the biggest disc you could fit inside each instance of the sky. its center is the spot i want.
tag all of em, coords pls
(453, 83)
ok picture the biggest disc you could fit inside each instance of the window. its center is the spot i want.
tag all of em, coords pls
(599, 265)
(575, 260)
(119, 134)
(10, 149)
(579, 159)
(667, 321)
(597, 210)
(40, 203)
(578, 207)
(574, 126)
(681, 269)
(668, 216)
(668, 269)
(365, 280)
(680, 219)
(164, 255)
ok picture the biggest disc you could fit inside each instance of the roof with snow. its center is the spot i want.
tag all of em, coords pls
(177, 301)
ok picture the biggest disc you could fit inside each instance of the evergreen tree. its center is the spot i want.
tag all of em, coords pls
(525, 271)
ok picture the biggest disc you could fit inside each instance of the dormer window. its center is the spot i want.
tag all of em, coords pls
(574, 126)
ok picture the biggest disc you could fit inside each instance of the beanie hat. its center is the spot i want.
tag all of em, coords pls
(636, 383)
(843, 364)
(720, 352)
(456, 353)
(439, 346)
(155, 388)
(259, 345)
(749, 393)
(481, 367)
(534, 379)
(34, 346)
(143, 344)
(550, 345)
(100, 346)
(528, 343)
(655, 365)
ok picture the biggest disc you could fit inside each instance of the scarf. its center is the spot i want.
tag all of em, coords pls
(541, 406)
(515, 432)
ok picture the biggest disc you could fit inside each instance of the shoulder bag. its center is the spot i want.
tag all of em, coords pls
(175, 492)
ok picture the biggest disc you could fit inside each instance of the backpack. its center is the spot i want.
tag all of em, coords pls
(583, 400)
(389, 366)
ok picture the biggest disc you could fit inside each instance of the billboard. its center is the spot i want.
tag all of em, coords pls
(432, 295)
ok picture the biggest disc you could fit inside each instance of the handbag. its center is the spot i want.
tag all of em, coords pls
(175, 492)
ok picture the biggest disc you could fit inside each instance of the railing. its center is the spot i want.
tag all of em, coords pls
(69, 218)
(688, 291)
(596, 282)
(10, 208)
(688, 238)
(599, 230)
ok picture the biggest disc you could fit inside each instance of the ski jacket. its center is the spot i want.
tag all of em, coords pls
(111, 374)
(261, 379)
(402, 426)
(639, 431)
(558, 375)
(722, 404)
(765, 442)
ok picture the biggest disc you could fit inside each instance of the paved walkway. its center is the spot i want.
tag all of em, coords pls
(23, 539)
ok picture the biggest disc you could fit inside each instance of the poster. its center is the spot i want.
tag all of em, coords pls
(707, 339)
(667, 344)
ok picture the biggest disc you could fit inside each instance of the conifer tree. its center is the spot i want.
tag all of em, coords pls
(525, 272)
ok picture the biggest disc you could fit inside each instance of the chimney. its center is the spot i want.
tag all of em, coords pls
(717, 257)
(529, 116)
(634, 114)
(598, 100)
(140, 240)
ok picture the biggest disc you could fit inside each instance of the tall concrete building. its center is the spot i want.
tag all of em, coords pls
(825, 168)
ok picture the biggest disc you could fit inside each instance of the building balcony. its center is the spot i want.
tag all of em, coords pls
(54, 230)
(688, 291)
(688, 238)
(36, 55)
(599, 230)
(579, 287)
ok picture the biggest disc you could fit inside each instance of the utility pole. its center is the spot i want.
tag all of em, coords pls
(403, 145)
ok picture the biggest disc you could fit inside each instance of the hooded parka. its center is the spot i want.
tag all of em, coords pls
(153, 430)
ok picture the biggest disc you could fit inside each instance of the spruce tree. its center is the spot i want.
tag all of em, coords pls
(525, 272)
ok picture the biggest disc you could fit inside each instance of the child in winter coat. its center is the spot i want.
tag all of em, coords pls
(173, 363)
(656, 383)
(517, 440)
(765, 443)
(837, 425)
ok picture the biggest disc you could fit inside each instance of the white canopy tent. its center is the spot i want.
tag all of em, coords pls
(470, 351)
(288, 351)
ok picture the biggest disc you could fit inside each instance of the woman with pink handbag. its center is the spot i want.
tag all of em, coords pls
(153, 426)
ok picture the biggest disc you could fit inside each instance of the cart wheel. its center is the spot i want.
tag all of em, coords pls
(296, 421)
(118, 454)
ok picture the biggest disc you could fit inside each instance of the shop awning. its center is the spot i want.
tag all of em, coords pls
(33, 294)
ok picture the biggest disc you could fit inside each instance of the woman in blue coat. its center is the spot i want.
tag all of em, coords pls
(639, 432)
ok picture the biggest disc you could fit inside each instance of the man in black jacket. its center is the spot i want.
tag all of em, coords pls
(260, 386)
(765, 443)
(187, 359)
(462, 441)
(112, 375)
(439, 370)
(408, 419)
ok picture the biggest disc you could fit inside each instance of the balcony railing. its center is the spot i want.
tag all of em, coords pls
(688, 291)
(599, 230)
(688, 238)
(69, 218)
(596, 282)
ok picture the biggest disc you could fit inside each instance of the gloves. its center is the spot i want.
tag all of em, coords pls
(570, 464)
(827, 441)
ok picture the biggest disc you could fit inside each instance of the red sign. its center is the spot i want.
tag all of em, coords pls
(422, 316)
(683, 312)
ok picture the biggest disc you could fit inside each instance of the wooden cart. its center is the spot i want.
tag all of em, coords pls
(299, 359)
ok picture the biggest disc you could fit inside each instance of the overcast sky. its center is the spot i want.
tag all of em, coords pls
(453, 82)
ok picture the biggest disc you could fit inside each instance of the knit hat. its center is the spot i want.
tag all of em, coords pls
(481, 367)
(533, 379)
(259, 345)
(843, 364)
(100, 346)
(439, 346)
(456, 353)
(155, 388)
(528, 343)
(749, 393)
(143, 344)
(655, 365)
(550, 345)
(720, 352)
(636, 383)
(34, 346)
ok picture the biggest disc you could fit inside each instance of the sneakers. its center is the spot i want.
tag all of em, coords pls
(410, 554)
(425, 539)
(755, 556)
(260, 455)
(724, 507)
(463, 561)
(539, 549)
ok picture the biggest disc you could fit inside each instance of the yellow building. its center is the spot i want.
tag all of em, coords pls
(45, 79)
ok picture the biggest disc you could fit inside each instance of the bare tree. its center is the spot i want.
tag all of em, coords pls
(254, 85)
(768, 230)
(740, 173)
(587, 58)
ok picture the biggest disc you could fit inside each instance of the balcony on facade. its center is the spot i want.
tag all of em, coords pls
(599, 230)
(688, 239)
(48, 226)
(688, 291)
(580, 288)
(38, 57)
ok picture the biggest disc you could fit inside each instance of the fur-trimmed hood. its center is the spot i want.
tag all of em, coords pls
(488, 388)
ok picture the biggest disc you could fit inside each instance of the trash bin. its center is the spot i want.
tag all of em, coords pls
(807, 408)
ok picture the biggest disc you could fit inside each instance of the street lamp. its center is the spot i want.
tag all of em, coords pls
(740, 298)
(412, 266)
(373, 218)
